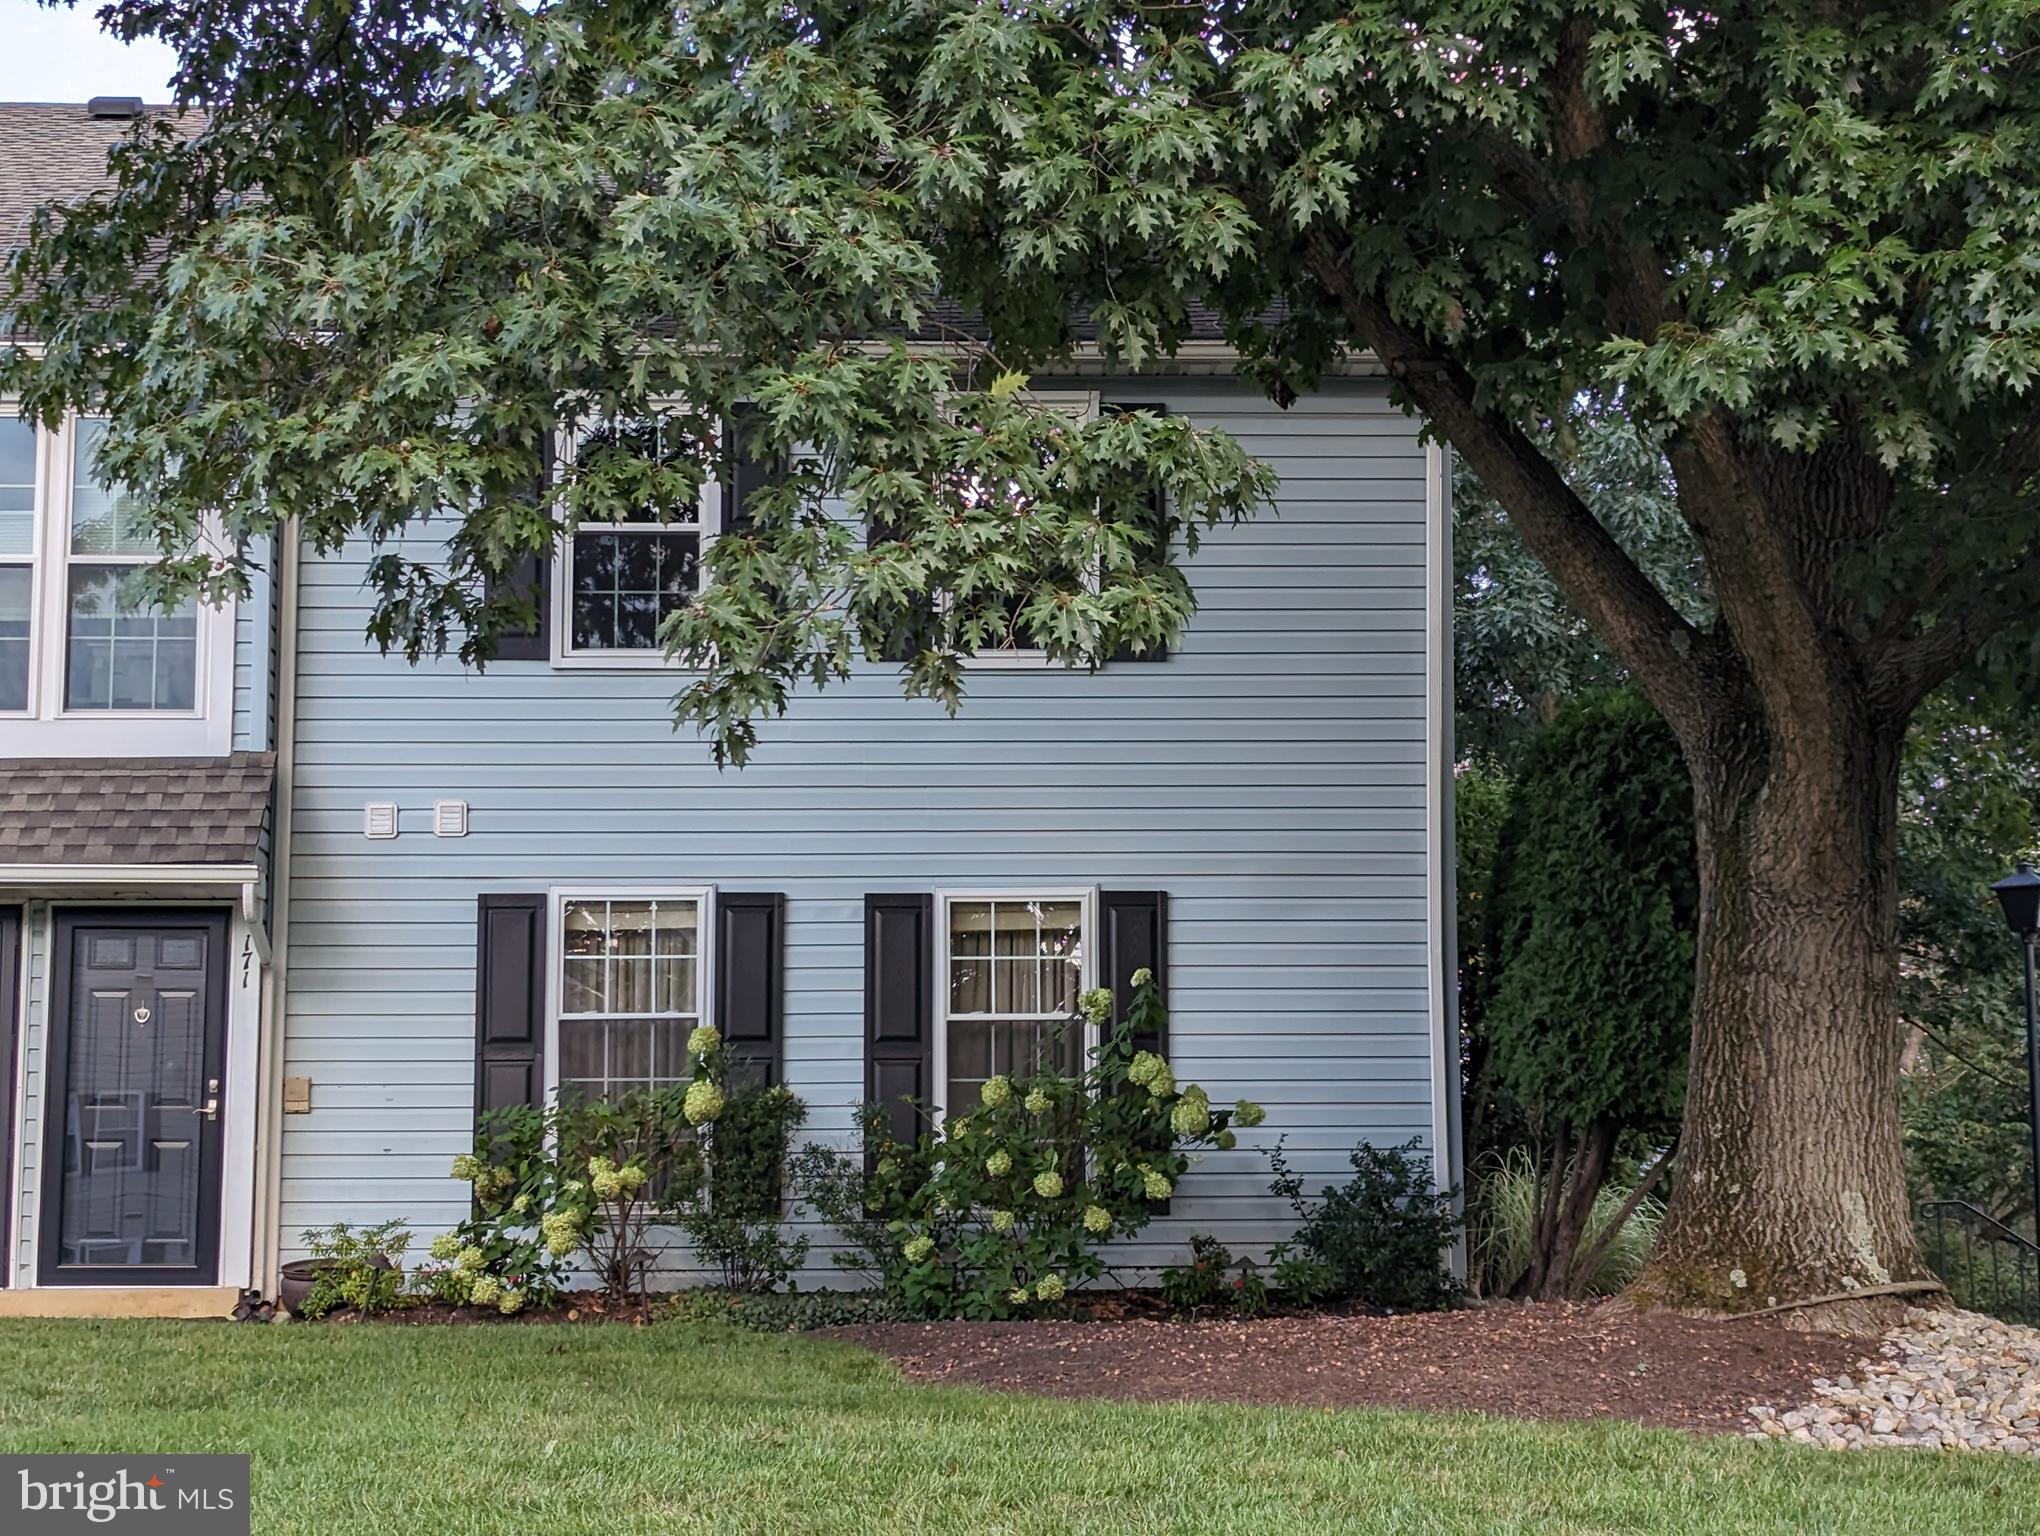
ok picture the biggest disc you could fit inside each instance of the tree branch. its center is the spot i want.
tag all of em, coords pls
(1912, 669)
(1684, 671)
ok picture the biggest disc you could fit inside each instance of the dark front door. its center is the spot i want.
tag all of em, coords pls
(132, 1113)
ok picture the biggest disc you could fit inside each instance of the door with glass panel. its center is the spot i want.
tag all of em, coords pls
(133, 1098)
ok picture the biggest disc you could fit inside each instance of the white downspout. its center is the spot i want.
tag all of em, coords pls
(267, 1245)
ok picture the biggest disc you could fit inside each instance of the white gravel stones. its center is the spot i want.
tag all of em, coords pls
(1948, 1380)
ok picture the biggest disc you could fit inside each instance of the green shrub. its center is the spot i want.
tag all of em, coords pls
(1299, 1278)
(1505, 1216)
(1004, 1210)
(731, 1198)
(788, 1311)
(589, 1178)
(1201, 1283)
(346, 1272)
(516, 1178)
(1381, 1235)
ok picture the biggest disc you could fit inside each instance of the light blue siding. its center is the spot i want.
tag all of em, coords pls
(255, 658)
(1273, 776)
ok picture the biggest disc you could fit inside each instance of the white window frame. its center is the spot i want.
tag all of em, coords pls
(1087, 977)
(48, 729)
(708, 519)
(557, 898)
(1081, 406)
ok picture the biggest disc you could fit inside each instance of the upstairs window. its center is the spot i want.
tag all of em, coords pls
(621, 580)
(17, 561)
(123, 653)
(84, 655)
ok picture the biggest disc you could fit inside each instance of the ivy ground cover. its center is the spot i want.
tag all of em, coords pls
(570, 1431)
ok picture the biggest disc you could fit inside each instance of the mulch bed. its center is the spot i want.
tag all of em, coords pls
(1523, 1361)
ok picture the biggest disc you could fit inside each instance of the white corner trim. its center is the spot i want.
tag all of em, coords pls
(1441, 903)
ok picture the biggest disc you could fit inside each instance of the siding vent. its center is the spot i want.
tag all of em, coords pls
(379, 819)
(449, 818)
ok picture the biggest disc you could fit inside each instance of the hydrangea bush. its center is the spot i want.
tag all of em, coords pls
(581, 1185)
(1002, 1211)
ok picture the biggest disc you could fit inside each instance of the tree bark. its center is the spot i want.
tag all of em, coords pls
(1791, 1171)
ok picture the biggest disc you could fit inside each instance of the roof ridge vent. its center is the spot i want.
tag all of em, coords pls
(114, 106)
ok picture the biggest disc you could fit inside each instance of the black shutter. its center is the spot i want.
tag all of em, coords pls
(10, 993)
(750, 997)
(1136, 935)
(510, 1003)
(744, 471)
(1158, 510)
(530, 577)
(899, 1013)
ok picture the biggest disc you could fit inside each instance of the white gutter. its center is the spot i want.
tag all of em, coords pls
(68, 875)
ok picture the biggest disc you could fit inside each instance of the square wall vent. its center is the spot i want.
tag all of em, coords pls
(379, 819)
(449, 818)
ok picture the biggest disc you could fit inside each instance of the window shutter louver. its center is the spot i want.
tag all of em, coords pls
(1158, 510)
(529, 577)
(509, 1003)
(750, 999)
(1135, 925)
(899, 1014)
(1136, 934)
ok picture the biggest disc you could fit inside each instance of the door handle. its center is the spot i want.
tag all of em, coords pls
(211, 1107)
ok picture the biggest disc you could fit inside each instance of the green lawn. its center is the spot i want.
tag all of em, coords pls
(558, 1431)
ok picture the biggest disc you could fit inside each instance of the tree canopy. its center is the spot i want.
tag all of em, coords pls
(1800, 242)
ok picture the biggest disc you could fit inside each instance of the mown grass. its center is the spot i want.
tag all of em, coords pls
(560, 1431)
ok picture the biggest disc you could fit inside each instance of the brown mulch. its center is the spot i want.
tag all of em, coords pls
(1540, 1361)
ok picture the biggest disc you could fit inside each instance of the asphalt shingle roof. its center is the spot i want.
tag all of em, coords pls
(141, 810)
(50, 151)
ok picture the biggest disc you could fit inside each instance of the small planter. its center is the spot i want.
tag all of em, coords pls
(295, 1286)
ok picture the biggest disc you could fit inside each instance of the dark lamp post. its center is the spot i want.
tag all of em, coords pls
(2019, 894)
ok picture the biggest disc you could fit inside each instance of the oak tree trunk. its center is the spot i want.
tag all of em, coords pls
(1790, 1182)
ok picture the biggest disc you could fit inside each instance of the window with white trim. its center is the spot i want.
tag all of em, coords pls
(1014, 966)
(1009, 644)
(630, 988)
(81, 648)
(17, 562)
(121, 652)
(615, 583)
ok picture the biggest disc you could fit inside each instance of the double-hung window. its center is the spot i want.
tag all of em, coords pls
(1008, 643)
(122, 653)
(617, 582)
(18, 481)
(631, 986)
(1014, 966)
(84, 655)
